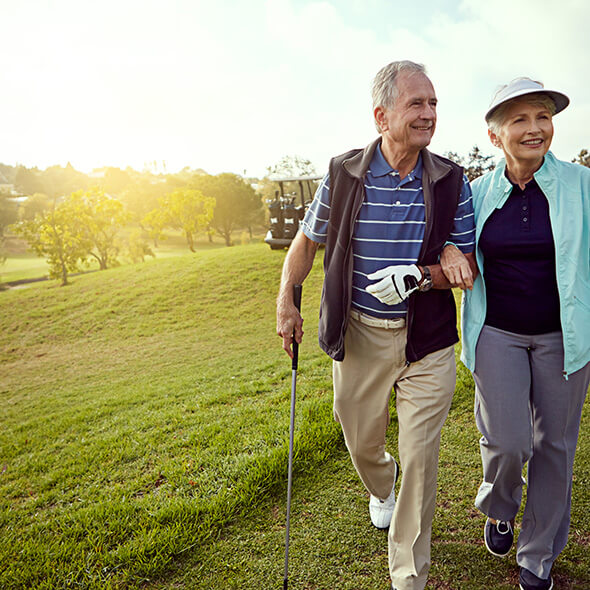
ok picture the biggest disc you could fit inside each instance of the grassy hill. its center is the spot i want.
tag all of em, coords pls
(144, 414)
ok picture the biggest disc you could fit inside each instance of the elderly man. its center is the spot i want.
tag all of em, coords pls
(387, 316)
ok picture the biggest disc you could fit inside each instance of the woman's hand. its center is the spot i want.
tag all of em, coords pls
(456, 267)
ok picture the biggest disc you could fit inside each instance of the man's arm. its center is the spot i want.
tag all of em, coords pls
(457, 268)
(297, 265)
(394, 283)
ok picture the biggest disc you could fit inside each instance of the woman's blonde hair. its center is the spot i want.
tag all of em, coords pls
(539, 99)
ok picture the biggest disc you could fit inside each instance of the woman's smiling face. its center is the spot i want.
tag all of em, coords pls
(526, 132)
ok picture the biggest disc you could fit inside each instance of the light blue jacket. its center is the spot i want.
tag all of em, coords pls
(567, 188)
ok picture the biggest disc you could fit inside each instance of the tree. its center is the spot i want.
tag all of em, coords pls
(58, 182)
(8, 215)
(287, 167)
(186, 175)
(186, 209)
(54, 235)
(27, 181)
(115, 180)
(138, 248)
(476, 165)
(236, 202)
(2, 250)
(142, 195)
(154, 222)
(292, 166)
(84, 224)
(254, 212)
(99, 218)
(34, 205)
(7, 174)
(54, 181)
(8, 211)
(583, 158)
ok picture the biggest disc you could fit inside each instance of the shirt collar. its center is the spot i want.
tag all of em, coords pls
(380, 167)
(532, 183)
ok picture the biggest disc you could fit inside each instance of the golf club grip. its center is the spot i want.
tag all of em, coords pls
(297, 302)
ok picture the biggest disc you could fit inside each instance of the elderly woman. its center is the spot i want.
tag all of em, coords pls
(526, 328)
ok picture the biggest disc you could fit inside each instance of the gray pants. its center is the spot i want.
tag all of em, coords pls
(527, 411)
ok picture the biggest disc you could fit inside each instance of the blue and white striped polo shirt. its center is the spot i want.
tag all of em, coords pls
(389, 229)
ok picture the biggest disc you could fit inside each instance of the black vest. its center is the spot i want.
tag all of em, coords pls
(431, 317)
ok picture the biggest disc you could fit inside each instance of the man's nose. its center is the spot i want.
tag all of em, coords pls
(428, 112)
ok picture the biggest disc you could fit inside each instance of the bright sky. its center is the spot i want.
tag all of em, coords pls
(234, 85)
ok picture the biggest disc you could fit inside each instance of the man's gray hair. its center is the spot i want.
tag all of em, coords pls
(384, 89)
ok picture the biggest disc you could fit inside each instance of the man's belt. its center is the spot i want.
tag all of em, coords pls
(393, 324)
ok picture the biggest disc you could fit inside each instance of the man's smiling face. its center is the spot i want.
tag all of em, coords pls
(411, 122)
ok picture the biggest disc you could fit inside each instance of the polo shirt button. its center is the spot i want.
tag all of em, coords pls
(524, 219)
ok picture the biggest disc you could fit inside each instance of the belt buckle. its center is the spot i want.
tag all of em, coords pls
(396, 323)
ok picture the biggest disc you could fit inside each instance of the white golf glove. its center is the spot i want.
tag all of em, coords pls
(396, 284)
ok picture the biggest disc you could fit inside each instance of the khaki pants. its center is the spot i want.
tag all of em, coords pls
(374, 364)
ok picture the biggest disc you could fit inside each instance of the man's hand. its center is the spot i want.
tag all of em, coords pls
(288, 320)
(396, 284)
(456, 267)
(298, 263)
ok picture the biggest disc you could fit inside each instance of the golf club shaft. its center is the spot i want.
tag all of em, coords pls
(297, 302)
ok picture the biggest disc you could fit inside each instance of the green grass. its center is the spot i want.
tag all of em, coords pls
(23, 264)
(142, 408)
(144, 414)
(334, 546)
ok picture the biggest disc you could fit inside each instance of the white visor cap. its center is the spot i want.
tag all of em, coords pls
(521, 87)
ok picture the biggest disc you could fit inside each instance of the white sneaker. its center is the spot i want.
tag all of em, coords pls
(381, 511)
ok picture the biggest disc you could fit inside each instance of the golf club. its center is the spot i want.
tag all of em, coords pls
(297, 302)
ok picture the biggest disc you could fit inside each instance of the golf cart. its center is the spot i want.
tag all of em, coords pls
(287, 210)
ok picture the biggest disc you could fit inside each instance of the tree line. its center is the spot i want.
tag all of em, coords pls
(84, 225)
(476, 163)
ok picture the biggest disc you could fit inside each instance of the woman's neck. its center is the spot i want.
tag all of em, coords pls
(520, 172)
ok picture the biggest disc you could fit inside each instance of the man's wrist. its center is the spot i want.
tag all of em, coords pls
(425, 283)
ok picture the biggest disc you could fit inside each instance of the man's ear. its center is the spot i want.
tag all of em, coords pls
(380, 118)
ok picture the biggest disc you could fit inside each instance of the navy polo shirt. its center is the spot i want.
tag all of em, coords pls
(389, 229)
(519, 264)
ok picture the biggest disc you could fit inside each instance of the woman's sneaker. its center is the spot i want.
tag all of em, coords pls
(528, 581)
(498, 537)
